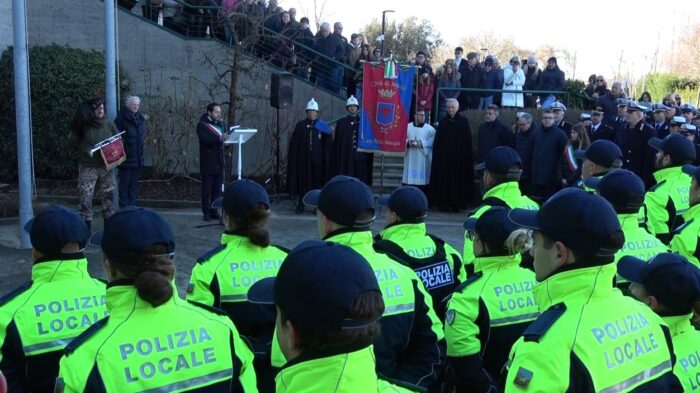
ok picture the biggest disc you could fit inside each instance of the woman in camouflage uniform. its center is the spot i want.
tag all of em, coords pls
(88, 128)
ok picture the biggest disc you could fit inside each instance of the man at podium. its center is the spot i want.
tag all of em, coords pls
(210, 131)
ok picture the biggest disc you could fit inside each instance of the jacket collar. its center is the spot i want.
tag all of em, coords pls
(628, 222)
(665, 173)
(678, 324)
(234, 238)
(496, 263)
(122, 298)
(692, 212)
(351, 237)
(504, 191)
(63, 267)
(402, 231)
(576, 286)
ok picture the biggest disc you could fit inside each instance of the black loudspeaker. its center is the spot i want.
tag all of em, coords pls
(281, 89)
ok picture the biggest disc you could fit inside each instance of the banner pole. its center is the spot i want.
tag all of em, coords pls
(381, 176)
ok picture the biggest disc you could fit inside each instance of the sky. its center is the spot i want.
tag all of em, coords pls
(599, 31)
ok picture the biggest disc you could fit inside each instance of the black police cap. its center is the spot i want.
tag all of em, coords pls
(54, 227)
(622, 188)
(408, 202)
(492, 226)
(241, 196)
(342, 200)
(675, 145)
(582, 221)
(499, 161)
(131, 231)
(670, 278)
(603, 153)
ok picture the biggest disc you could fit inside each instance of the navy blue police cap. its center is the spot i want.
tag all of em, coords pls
(499, 160)
(602, 152)
(670, 278)
(622, 188)
(242, 196)
(688, 108)
(678, 120)
(342, 200)
(54, 227)
(620, 102)
(317, 285)
(675, 145)
(692, 171)
(636, 106)
(581, 220)
(131, 231)
(659, 108)
(408, 202)
(493, 226)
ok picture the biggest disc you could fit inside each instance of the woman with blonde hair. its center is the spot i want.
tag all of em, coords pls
(493, 307)
(513, 79)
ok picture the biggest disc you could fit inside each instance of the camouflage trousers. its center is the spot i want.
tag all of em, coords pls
(88, 179)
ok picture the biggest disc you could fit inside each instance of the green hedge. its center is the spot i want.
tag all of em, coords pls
(661, 84)
(60, 78)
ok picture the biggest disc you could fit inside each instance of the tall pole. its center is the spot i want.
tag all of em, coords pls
(111, 72)
(22, 104)
(384, 30)
(110, 61)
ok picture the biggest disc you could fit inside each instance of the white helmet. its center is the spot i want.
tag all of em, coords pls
(312, 105)
(352, 101)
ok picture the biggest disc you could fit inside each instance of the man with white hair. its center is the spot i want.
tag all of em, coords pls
(132, 122)
(328, 70)
(452, 171)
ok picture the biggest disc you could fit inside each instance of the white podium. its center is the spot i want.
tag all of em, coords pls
(239, 136)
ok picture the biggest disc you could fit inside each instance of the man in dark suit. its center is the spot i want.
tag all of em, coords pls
(633, 139)
(598, 128)
(660, 123)
(470, 77)
(211, 135)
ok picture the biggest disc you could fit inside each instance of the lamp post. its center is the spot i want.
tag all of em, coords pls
(384, 29)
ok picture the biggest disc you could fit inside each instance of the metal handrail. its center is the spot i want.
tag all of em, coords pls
(476, 90)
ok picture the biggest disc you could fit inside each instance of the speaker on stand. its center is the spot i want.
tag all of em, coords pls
(281, 97)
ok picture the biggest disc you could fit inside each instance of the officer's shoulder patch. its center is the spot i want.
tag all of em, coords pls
(212, 309)
(15, 292)
(546, 320)
(682, 227)
(656, 186)
(471, 280)
(450, 316)
(82, 337)
(523, 377)
(205, 257)
(285, 249)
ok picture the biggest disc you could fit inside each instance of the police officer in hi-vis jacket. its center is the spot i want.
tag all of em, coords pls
(152, 340)
(589, 337)
(60, 301)
(328, 305)
(222, 276)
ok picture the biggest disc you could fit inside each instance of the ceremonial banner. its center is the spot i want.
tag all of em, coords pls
(386, 102)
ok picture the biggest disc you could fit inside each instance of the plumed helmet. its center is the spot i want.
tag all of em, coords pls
(312, 105)
(352, 101)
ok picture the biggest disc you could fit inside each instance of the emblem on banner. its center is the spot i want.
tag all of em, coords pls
(385, 113)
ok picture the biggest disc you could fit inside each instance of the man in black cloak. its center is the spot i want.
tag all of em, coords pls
(346, 159)
(309, 158)
(452, 173)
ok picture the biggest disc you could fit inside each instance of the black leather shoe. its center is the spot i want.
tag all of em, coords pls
(214, 215)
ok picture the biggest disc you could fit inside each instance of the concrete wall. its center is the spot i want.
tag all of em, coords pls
(6, 36)
(176, 79)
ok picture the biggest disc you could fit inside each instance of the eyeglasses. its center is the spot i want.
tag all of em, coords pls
(599, 80)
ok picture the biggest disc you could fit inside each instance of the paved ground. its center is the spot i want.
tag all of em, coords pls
(287, 229)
